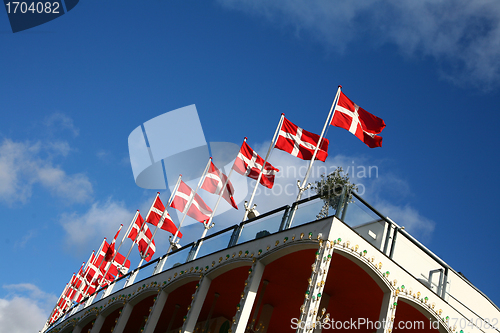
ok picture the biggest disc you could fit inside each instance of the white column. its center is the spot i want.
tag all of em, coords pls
(77, 329)
(325, 299)
(246, 303)
(310, 309)
(155, 314)
(99, 321)
(123, 319)
(387, 312)
(196, 305)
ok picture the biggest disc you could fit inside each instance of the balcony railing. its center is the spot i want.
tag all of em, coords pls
(365, 220)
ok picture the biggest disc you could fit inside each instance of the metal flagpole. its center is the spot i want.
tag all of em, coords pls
(84, 276)
(162, 218)
(84, 281)
(96, 272)
(80, 276)
(74, 287)
(98, 268)
(129, 229)
(248, 207)
(186, 209)
(55, 307)
(115, 252)
(208, 225)
(140, 230)
(303, 186)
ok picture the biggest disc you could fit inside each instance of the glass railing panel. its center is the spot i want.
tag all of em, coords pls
(98, 296)
(356, 214)
(309, 211)
(119, 284)
(261, 227)
(145, 272)
(214, 244)
(176, 258)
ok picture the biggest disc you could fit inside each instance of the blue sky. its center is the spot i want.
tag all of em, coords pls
(73, 89)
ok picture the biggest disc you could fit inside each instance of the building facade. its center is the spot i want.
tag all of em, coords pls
(285, 271)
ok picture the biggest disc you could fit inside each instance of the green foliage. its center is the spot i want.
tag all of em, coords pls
(330, 189)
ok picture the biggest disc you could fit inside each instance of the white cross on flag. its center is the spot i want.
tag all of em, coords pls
(78, 286)
(248, 163)
(198, 210)
(118, 265)
(73, 292)
(91, 269)
(141, 235)
(301, 143)
(214, 180)
(155, 216)
(358, 121)
(110, 250)
(98, 265)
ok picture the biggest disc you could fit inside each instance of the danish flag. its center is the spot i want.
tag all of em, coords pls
(198, 209)
(301, 143)
(95, 269)
(110, 250)
(248, 163)
(117, 265)
(78, 286)
(358, 121)
(159, 216)
(214, 180)
(73, 293)
(141, 235)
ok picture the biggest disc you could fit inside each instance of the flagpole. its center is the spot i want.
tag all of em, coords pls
(84, 279)
(79, 276)
(142, 227)
(115, 252)
(152, 205)
(129, 229)
(186, 209)
(303, 186)
(84, 276)
(74, 287)
(271, 146)
(162, 218)
(55, 307)
(100, 264)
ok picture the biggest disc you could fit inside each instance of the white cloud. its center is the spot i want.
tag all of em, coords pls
(59, 120)
(406, 216)
(23, 164)
(25, 308)
(463, 34)
(101, 220)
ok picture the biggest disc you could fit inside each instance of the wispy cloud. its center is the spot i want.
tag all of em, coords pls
(23, 164)
(60, 121)
(88, 229)
(462, 36)
(25, 308)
